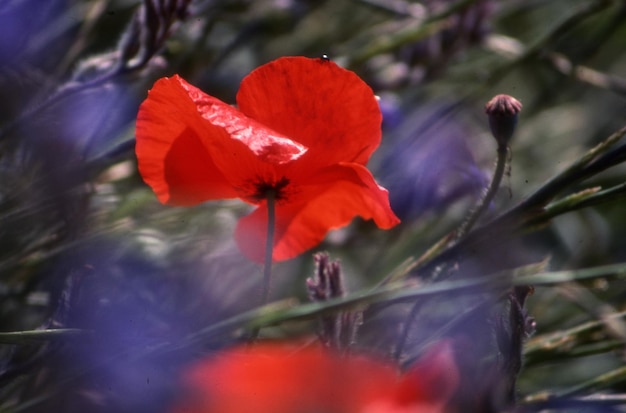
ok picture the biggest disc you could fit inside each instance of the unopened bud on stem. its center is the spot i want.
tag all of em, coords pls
(502, 111)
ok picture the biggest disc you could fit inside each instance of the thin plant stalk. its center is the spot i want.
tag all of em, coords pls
(485, 201)
(269, 246)
(470, 221)
(269, 250)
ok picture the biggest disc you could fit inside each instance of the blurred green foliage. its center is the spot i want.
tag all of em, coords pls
(85, 246)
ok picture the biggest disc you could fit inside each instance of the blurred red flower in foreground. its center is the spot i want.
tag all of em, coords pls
(278, 378)
(304, 132)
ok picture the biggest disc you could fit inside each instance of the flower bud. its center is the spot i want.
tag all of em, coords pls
(502, 111)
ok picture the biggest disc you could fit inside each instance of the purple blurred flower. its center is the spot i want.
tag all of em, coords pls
(30, 50)
(428, 165)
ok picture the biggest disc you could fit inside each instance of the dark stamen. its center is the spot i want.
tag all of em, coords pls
(277, 189)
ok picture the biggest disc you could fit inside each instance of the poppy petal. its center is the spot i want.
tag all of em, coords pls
(432, 379)
(192, 147)
(279, 378)
(171, 156)
(322, 106)
(330, 200)
(266, 144)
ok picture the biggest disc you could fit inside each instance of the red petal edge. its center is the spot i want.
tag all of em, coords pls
(326, 108)
(330, 200)
(172, 158)
(433, 379)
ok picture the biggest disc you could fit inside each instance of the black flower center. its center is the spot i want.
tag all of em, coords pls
(276, 189)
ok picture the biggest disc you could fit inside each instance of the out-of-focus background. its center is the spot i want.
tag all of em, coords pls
(85, 246)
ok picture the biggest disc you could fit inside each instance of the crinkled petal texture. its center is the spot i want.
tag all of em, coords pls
(324, 107)
(327, 200)
(282, 378)
(192, 147)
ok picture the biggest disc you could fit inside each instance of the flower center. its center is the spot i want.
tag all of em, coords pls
(277, 189)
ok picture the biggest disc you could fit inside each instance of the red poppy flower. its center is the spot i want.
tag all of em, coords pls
(304, 132)
(279, 378)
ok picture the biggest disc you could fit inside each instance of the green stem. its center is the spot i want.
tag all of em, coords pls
(489, 194)
(467, 225)
(406, 328)
(267, 262)
(269, 246)
(517, 218)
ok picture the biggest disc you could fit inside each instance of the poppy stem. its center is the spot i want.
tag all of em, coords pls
(269, 245)
(269, 249)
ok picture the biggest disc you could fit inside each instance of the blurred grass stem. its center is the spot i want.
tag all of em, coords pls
(466, 226)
